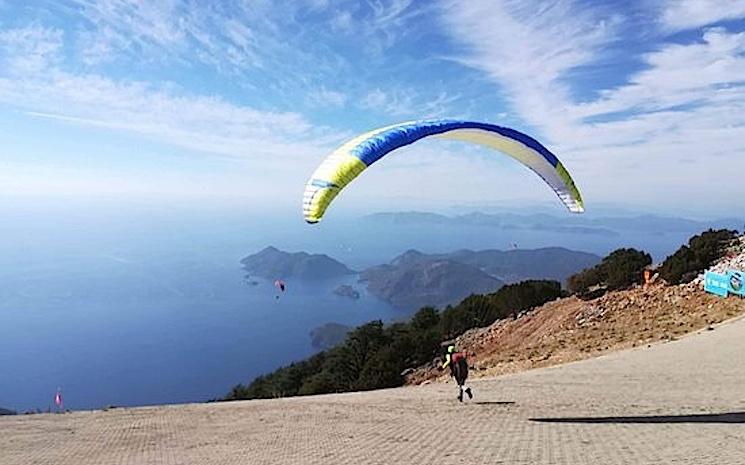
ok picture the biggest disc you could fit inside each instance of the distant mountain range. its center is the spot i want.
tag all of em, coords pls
(653, 224)
(272, 263)
(414, 279)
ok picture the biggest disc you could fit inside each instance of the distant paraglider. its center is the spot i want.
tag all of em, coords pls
(280, 285)
(348, 161)
(58, 401)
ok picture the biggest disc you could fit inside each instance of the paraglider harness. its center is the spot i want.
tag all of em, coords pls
(458, 366)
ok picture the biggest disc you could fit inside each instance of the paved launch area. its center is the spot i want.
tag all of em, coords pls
(679, 402)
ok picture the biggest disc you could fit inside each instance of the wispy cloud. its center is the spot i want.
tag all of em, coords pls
(401, 102)
(531, 50)
(239, 37)
(324, 97)
(688, 100)
(162, 112)
(291, 51)
(690, 14)
(700, 73)
(106, 70)
(29, 50)
(166, 31)
(374, 26)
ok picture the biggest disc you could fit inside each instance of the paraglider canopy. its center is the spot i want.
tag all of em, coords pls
(348, 161)
(279, 284)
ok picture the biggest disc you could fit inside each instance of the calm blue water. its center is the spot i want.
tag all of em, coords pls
(146, 309)
(142, 305)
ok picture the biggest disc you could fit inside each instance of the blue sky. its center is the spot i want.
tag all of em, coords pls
(238, 101)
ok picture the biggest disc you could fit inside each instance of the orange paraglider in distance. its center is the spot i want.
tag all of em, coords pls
(280, 285)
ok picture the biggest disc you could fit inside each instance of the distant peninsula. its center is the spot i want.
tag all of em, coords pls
(272, 263)
(413, 280)
(5, 411)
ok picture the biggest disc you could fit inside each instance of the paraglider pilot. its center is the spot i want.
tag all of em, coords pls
(458, 370)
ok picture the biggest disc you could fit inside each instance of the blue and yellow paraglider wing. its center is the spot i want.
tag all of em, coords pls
(348, 161)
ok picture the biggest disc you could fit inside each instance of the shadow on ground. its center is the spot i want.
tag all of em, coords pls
(732, 417)
(498, 402)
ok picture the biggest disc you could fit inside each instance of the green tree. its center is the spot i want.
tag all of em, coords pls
(625, 267)
(702, 251)
(621, 269)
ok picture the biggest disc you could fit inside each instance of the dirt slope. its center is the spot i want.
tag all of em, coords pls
(571, 329)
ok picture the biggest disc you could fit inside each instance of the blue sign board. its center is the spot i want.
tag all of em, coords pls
(717, 283)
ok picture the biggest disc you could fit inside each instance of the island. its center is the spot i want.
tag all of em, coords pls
(329, 335)
(345, 290)
(272, 263)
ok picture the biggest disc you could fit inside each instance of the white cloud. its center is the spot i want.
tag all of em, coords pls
(375, 26)
(342, 21)
(29, 50)
(327, 98)
(664, 131)
(690, 14)
(677, 75)
(128, 26)
(237, 37)
(530, 50)
(232, 37)
(387, 13)
(401, 102)
(34, 83)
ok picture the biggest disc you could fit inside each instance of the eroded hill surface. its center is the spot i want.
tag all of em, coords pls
(571, 329)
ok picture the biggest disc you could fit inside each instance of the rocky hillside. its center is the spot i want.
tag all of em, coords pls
(571, 329)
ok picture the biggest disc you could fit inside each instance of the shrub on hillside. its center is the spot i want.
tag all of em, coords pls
(701, 252)
(477, 311)
(619, 270)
